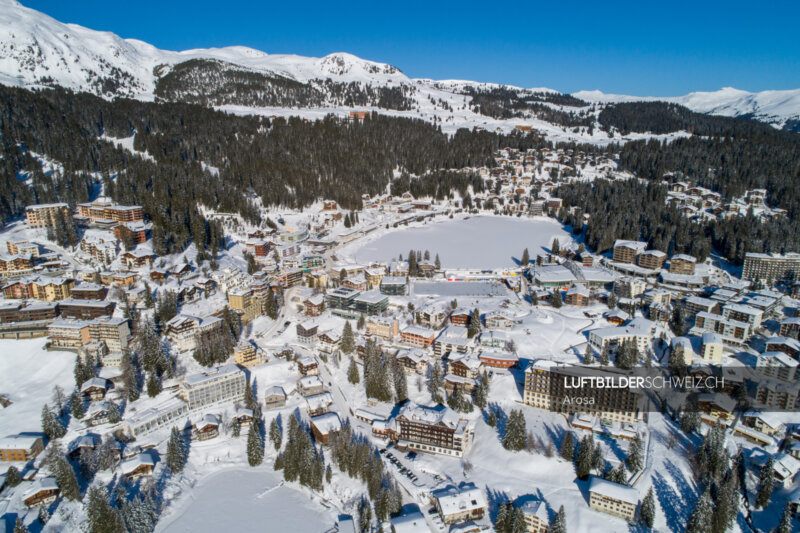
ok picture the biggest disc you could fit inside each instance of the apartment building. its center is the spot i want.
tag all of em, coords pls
(24, 312)
(22, 447)
(613, 498)
(733, 332)
(46, 215)
(40, 287)
(114, 333)
(182, 330)
(682, 264)
(553, 386)
(638, 330)
(651, 259)
(433, 429)
(626, 251)
(743, 313)
(771, 267)
(418, 336)
(85, 309)
(386, 328)
(214, 386)
(246, 354)
(23, 247)
(103, 209)
(460, 504)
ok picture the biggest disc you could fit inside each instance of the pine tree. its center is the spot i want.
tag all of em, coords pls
(352, 372)
(149, 302)
(19, 526)
(635, 454)
(474, 323)
(102, 517)
(76, 406)
(612, 301)
(604, 356)
(362, 322)
(43, 515)
(65, 479)
(583, 460)
(647, 512)
(559, 523)
(727, 502)
(588, 355)
(534, 298)
(275, 434)
(766, 482)
(598, 461)
(701, 518)
(255, 445)
(153, 386)
(13, 477)
(555, 248)
(556, 299)
(400, 384)
(436, 381)
(348, 343)
(271, 306)
(785, 525)
(567, 449)
(249, 398)
(516, 432)
(437, 263)
(501, 521)
(131, 375)
(526, 258)
(176, 451)
(51, 426)
(481, 397)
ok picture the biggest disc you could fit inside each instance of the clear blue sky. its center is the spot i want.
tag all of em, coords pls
(641, 48)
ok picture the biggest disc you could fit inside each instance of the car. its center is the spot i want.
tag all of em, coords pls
(287, 323)
(411, 455)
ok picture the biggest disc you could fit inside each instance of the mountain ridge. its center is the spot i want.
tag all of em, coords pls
(39, 51)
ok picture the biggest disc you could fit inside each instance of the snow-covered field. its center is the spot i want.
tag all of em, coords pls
(476, 242)
(27, 377)
(247, 500)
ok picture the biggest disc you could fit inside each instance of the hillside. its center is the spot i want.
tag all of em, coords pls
(39, 51)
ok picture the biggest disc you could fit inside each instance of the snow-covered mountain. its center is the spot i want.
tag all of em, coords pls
(779, 108)
(37, 50)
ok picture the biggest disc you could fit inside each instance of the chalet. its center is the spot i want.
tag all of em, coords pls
(716, 408)
(138, 258)
(384, 429)
(433, 429)
(82, 445)
(307, 331)
(138, 466)
(97, 413)
(307, 366)
(578, 295)
(319, 404)
(498, 359)
(329, 341)
(459, 504)
(498, 320)
(314, 305)
(158, 275)
(181, 271)
(206, 429)
(42, 491)
(617, 316)
(95, 389)
(274, 397)
(432, 315)
(465, 366)
(310, 385)
(323, 426)
(460, 317)
(412, 360)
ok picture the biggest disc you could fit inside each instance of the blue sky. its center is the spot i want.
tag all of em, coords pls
(641, 48)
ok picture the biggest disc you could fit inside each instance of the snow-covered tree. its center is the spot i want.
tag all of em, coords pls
(255, 445)
(103, 518)
(785, 525)
(559, 523)
(65, 478)
(635, 454)
(766, 482)
(700, 521)
(474, 327)
(348, 343)
(526, 258)
(588, 355)
(352, 372)
(516, 432)
(76, 406)
(51, 425)
(176, 451)
(567, 449)
(647, 512)
(275, 433)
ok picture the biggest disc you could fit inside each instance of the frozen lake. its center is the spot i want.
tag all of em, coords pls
(247, 500)
(477, 242)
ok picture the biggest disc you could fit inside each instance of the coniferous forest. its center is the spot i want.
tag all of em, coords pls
(191, 156)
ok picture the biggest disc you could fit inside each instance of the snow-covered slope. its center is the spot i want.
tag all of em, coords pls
(37, 50)
(773, 107)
